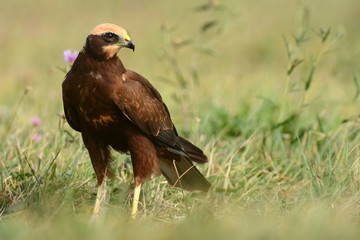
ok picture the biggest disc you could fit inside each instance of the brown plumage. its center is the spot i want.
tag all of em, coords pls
(115, 107)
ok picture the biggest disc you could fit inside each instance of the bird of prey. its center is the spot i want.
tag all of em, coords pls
(115, 107)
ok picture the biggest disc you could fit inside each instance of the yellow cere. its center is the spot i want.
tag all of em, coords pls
(127, 38)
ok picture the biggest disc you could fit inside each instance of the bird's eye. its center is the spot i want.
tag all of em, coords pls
(109, 35)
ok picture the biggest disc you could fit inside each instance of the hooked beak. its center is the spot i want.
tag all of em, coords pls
(130, 44)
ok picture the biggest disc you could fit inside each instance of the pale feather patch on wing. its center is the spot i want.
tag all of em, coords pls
(102, 120)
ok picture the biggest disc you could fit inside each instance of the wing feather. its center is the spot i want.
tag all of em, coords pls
(142, 104)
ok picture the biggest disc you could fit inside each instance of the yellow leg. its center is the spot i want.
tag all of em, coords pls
(101, 192)
(135, 201)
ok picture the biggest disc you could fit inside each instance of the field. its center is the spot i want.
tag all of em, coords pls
(269, 89)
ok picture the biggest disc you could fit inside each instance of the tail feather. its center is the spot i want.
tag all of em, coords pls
(194, 153)
(183, 174)
(177, 167)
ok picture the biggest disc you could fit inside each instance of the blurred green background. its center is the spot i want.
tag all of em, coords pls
(268, 89)
(249, 51)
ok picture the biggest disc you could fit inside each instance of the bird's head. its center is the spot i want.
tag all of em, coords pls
(106, 39)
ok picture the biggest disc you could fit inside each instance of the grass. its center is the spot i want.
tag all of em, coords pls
(269, 91)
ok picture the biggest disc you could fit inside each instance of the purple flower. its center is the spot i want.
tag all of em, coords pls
(35, 121)
(36, 137)
(70, 57)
